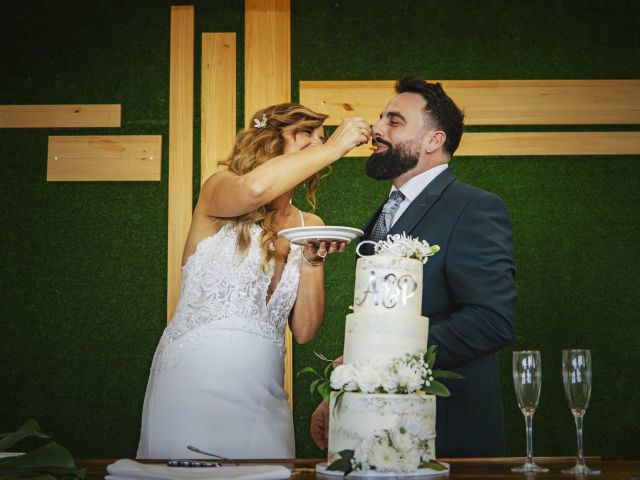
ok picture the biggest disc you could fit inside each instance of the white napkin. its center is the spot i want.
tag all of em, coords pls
(131, 470)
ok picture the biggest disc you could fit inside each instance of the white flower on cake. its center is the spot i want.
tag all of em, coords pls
(361, 455)
(389, 380)
(407, 374)
(402, 439)
(403, 245)
(368, 376)
(343, 378)
(396, 450)
(408, 377)
(415, 426)
(384, 456)
(410, 460)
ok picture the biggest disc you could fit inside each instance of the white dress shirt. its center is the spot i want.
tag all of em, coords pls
(412, 188)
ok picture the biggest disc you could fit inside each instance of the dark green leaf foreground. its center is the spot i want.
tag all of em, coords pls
(47, 461)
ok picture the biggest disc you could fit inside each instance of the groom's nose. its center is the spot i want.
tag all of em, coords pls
(377, 129)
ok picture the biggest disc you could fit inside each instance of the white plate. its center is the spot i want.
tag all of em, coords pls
(302, 235)
(321, 468)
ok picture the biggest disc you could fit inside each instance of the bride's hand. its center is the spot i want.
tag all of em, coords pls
(352, 132)
(317, 253)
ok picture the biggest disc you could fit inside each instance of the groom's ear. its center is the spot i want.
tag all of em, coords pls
(434, 141)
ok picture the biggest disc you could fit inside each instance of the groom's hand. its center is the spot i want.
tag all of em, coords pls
(320, 425)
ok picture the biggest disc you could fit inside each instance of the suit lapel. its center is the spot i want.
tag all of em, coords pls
(422, 203)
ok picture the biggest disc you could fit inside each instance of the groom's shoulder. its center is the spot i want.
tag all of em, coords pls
(463, 188)
(465, 193)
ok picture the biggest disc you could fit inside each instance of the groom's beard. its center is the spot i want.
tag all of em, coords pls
(394, 162)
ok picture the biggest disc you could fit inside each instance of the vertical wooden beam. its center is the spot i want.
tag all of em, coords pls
(267, 67)
(180, 146)
(218, 119)
(267, 81)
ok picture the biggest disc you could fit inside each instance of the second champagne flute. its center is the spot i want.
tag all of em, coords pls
(527, 380)
(576, 376)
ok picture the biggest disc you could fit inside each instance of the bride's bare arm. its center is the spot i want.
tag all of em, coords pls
(308, 311)
(226, 194)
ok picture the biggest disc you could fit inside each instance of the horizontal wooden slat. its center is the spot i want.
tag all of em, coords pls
(492, 102)
(104, 158)
(539, 143)
(59, 116)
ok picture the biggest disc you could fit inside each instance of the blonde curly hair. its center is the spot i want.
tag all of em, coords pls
(258, 144)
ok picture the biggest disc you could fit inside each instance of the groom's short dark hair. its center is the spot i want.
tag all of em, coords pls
(441, 110)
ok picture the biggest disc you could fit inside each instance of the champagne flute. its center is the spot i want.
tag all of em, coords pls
(527, 380)
(576, 375)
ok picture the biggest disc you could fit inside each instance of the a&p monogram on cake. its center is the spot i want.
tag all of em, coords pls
(390, 291)
(388, 283)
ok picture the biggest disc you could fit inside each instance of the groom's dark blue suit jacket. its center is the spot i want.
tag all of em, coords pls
(469, 295)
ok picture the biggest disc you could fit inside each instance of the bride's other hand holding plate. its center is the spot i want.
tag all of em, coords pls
(317, 251)
(319, 241)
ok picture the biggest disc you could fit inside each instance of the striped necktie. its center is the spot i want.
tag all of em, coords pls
(381, 227)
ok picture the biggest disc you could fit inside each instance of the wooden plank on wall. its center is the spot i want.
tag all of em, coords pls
(267, 81)
(550, 143)
(492, 102)
(180, 146)
(539, 143)
(218, 119)
(104, 158)
(59, 116)
(267, 78)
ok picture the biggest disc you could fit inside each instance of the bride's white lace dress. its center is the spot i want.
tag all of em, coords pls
(217, 376)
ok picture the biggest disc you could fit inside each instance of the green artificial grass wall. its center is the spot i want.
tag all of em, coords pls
(83, 272)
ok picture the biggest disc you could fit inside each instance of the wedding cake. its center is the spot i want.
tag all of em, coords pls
(381, 418)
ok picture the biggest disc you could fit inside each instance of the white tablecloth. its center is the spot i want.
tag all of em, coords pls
(131, 470)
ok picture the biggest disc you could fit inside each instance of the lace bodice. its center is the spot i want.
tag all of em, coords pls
(223, 290)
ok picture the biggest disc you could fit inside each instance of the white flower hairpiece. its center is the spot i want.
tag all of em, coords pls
(260, 123)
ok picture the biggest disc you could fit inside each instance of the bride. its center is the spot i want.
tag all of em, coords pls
(216, 381)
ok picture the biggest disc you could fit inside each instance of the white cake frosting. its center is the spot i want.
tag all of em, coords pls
(385, 324)
(384, 334)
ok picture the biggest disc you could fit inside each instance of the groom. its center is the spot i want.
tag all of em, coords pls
(469, 287)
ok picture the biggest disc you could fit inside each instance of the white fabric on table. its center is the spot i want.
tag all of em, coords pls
(125, 469)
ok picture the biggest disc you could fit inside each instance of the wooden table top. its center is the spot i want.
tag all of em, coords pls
(613, 468)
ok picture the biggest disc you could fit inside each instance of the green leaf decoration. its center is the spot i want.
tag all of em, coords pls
(447, 374)
(324, 390)
(306, 370)
(49, 455)
(343, 463)
(433, 465)
(327, 370)
(437, 388)
(48, 462)
(30, 475)
(430, 355)
(29, 429)
(336, 406)
(313, 385)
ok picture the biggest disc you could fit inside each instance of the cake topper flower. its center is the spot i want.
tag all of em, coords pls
(260, 123)
(403, 245)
